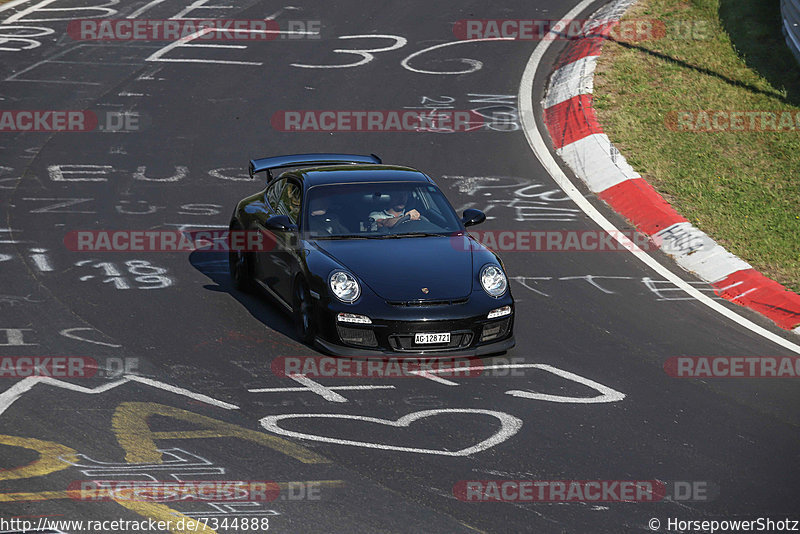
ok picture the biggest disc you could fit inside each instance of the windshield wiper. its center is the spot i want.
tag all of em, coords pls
(343, 236)
(412, 234)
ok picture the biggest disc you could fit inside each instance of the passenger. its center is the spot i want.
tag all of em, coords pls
(322, 221)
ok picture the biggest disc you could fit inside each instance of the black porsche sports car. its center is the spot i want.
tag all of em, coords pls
(371, 259)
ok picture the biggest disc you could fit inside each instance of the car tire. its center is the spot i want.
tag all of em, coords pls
(240, 269)
(303, 311)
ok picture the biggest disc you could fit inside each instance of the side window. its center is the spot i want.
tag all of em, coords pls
(273, 194)
(290, 201)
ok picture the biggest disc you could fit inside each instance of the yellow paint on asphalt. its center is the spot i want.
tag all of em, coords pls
(139, 441)
(131, 427)
(55, 457)
(52, 457)
(38, 496)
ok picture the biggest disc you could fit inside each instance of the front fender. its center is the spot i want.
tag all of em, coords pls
(320, 265)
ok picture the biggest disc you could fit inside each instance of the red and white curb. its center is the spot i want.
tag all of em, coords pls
(579, 140)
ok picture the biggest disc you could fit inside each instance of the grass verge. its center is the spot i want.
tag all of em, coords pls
(741, 187)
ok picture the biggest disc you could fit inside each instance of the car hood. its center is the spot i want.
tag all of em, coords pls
(398, 268)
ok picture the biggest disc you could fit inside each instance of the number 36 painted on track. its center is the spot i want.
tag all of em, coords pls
(367, 54)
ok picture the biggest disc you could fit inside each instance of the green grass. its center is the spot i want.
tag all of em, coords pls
(742, 188)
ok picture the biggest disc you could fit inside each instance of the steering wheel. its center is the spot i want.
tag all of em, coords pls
(402, 220)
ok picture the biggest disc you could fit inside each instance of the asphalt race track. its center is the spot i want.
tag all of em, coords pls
(195, 346)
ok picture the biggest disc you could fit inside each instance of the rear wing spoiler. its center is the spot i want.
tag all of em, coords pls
(276, 162)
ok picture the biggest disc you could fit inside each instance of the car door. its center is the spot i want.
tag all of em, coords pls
(269, 268)
(287, 243)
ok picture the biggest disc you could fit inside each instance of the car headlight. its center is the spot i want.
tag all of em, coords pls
(344, 286)
(493, 280)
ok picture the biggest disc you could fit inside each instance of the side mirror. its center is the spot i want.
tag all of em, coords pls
(472, 217)
(280, 223)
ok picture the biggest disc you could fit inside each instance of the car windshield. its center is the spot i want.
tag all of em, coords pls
(378, 210)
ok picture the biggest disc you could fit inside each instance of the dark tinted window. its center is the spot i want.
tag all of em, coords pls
(354, 207)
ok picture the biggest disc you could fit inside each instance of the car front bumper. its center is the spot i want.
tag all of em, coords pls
(355, 352)
(393, 328)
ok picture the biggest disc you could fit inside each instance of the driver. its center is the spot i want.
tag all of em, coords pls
(389, 217)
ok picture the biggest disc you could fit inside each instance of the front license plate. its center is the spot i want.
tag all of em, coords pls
(422, 339)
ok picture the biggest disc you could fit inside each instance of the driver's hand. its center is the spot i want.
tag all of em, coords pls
(414, 214)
